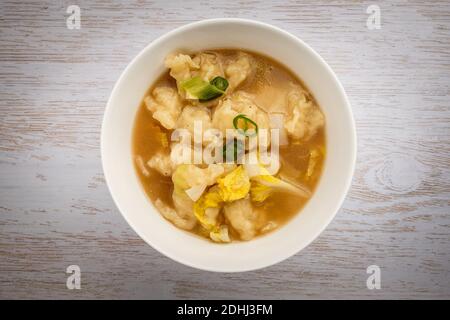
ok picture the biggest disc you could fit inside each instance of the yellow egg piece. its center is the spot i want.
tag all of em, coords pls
(235, 185)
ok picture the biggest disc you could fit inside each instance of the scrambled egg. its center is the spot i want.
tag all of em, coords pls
(163, 139)
(206, 210)
(210, 199)
(259, 192)
(263, 184)
(235, 185)
(314, 157)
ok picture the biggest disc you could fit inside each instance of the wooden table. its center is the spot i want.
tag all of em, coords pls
(55, 207)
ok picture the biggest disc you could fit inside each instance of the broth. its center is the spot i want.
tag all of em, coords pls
(269, 85)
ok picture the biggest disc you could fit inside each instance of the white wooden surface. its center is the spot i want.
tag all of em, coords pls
(55, 207)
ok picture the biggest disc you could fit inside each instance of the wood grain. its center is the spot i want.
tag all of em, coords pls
(56, 209)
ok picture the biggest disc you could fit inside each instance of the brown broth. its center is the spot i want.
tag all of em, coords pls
(279, 207)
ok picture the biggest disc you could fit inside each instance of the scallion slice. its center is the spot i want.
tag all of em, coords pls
(220, 83)
(247, 121)
(198, 88)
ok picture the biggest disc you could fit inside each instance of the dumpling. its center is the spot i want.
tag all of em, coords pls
(239, 70)
(242, 217)
(189, 175)
(165, 105)
(210, 65)
(194, 113)
(184, 205)
(181, 216)
(220, 234)
(181, 152)
(181, 66)
(161, 162)
(244, 103)
(304, 117)
(223, 116)
(239, 103)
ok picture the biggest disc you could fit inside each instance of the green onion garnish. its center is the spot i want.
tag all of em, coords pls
(200, 89)
(247, 121)
(220, 83)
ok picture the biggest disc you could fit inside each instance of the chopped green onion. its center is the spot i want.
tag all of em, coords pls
(198, 88)
(220, 83)
(246, 128)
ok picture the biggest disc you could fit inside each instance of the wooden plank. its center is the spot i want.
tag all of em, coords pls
(55, 207)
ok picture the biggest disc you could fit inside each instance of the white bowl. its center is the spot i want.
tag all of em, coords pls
(182, 246)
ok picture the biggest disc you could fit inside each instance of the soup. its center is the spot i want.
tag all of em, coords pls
(262, 134)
